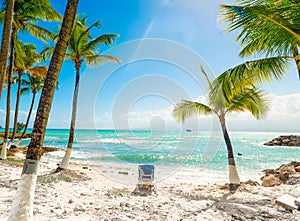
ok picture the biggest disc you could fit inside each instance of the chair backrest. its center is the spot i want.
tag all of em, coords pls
(146, 172)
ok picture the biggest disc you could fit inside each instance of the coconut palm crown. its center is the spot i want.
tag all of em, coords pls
(244, 98)
(268, 28)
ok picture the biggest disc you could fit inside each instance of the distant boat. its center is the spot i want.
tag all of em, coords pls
(188, 130)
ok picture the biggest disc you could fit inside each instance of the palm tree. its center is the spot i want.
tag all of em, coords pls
(25, 57)
(5, 43)
(23, 203)
(26, 14)
(83, 48)
(269, 28)
(242, 99)
(34, 84)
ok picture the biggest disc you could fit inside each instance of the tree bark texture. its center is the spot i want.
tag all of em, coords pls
(29, 115)
(297, 60)
(65, 162)
(17, 107)
(41, 119)
(9, 84)
(74, 106)
(7, 27)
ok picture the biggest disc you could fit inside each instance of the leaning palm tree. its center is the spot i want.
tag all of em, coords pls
(268, 28)
(83, 48)
(5, 43)
(23, 202)
(34, 84)
(245, 97)
(26, 57)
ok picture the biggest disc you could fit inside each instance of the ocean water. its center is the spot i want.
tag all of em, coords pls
(201, 150)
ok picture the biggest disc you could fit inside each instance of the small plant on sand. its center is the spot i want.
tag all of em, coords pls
(53, 179)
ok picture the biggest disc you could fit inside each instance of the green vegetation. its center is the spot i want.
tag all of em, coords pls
(18, 134)
(15, 160)
(266, 28)
(20, 127)
(53, 178)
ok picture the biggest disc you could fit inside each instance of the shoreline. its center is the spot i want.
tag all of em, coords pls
(84, 193)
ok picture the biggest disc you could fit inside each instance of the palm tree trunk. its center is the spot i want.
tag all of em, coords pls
(297, 60)
(28, 119)
(10, 71)
(23, 202)
(234, 179)
(17, 107)
(8, 19)
(66, 159)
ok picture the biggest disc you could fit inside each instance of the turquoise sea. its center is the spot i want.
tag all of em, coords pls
(203, 149)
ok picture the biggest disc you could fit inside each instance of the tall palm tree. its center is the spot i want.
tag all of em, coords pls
(83, 48)
(23, 203)
(25, 57)
(244, 98)
(34, 84)
(5, 43)
(26, 14)
(269, 28)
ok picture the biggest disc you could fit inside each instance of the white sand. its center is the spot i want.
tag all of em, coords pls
(105, 194)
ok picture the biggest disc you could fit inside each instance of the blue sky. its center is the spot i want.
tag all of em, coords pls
(140, 93)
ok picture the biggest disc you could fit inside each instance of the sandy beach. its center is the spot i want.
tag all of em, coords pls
(106, 193)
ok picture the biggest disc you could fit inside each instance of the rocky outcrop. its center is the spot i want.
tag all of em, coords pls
(291, 140)
(287, 174)
(271, 180)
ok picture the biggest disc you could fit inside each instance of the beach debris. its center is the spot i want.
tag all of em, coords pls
(123, 173)
(144, 189)
(297, 201)
(290, 200)
(291, 140)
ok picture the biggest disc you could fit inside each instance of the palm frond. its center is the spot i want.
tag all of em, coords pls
(252, 100)
(266, 27)
(205, 75)
(38, 71)
(47, 53)
(25, 90)
(41, 10)
(267, 14)
(106, 39)
(39, 32)
(95, 60)
(186, 109)
(248, 74)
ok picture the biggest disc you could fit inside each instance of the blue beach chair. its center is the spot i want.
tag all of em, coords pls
(145, 185)
(146, 173)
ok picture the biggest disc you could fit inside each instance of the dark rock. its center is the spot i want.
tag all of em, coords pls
(290, 140)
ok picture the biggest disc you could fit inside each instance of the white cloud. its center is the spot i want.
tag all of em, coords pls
(284, 115)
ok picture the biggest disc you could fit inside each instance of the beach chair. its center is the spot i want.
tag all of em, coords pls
(145, 185)
(146, 173)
